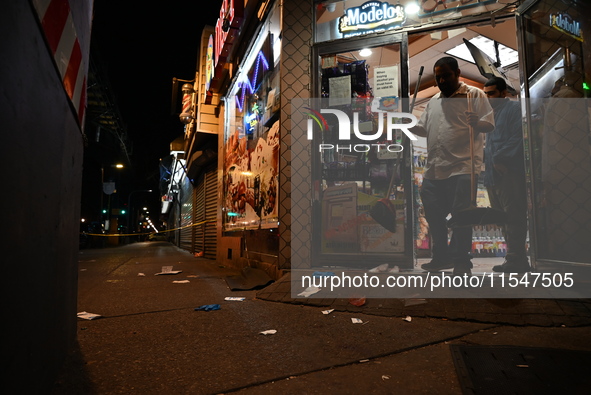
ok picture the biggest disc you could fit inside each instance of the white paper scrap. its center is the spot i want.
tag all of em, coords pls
(269, 332)
(407, 319)
(141, 275)
(309, 291)
(325, 312)
(379, 269)
(414, 302)
(235, 298)
(356, 321)
(181, 281)
(88, 316)
(168, 270)
(386, 377)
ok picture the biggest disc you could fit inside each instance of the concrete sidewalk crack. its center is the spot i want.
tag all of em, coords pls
(355, 362)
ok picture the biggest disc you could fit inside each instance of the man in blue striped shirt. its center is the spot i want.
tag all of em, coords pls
(504, 174)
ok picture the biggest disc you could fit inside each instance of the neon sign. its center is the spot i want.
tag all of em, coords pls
(226, 28)
(209, 63)
(251, 85)
(566, 24)
(371, 17)
(253, 118)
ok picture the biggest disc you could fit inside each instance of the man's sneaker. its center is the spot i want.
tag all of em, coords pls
(435, 266)
(512, 267)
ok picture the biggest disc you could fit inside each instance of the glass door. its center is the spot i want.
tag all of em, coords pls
(558, 140)
(361, 165)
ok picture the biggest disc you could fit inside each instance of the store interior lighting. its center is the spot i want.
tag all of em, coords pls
(507, 55)
(412, 8)
(365, 52)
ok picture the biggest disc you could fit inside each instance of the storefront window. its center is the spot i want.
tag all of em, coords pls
(362, 182)
(344, 19)
(558, 133)
(251, 155)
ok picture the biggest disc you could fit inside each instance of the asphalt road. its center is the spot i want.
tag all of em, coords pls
(150, 339)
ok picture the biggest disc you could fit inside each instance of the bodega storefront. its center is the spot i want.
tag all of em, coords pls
(361, 51)
(371, 53)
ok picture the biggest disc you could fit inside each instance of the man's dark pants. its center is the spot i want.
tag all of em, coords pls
(509, 194)
(440, 198)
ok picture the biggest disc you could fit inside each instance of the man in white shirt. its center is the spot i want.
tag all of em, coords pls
(446, 185)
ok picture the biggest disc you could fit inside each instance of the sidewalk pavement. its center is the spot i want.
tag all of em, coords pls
(520, 312)
(151, 340)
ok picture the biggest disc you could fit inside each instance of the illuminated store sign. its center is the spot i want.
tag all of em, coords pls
(209, 63)
(249, 84)
(566, 24)
(371, 17)
(226, 28)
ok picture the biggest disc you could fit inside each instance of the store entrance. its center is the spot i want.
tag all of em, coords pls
(363, 184)
(497, 42)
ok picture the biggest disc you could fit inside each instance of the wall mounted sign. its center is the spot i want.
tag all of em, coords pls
(386, 81)
(209, 63)
(567, 25)
(226, 29)
(371, 17)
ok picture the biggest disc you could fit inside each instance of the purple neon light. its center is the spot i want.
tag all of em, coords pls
(251, 85)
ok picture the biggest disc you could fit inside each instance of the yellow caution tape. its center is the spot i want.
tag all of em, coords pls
(146, 233)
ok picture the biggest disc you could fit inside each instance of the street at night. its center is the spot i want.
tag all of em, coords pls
(296, 197)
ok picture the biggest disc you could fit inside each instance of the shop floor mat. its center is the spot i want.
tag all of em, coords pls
(249, 278)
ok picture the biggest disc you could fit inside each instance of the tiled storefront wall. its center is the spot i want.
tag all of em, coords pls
(294, 226)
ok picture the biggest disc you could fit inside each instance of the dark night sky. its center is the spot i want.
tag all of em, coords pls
(142, 46)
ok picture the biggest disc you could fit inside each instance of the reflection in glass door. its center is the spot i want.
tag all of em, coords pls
(558, 136)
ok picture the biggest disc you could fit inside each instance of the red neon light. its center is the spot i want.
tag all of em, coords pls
(226, 28)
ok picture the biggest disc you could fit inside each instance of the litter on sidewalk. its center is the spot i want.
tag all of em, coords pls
(208, 307)
(269, 332)
(322, 274)
(168, 270)
(309, 291)
(141, 275)
(414, 302)
(357, 301)
(356, 321)
(181, 281)
(379, 269)
(326, 312)
(88, 316)
(408, 318)
(235, 298)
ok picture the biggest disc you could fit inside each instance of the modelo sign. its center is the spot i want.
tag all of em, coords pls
(371, 17)
(566, 24)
